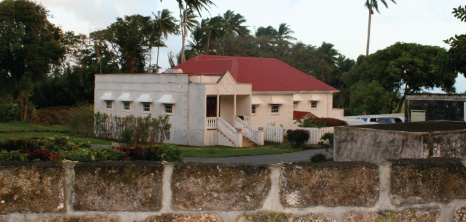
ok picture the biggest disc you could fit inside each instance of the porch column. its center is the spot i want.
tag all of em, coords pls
(218, 105)
(234, 107)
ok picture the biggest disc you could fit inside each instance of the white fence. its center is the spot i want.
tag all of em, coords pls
(273, 134)
(316, 133)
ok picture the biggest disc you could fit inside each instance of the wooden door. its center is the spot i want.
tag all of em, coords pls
(211, 106)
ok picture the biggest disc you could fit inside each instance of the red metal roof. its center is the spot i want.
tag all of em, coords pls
(265, 74)
(301, 114)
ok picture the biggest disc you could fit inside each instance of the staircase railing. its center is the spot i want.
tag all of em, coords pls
(211, 122)
(254, 135)
(228, 130)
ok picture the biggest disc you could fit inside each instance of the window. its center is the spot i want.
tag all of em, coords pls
(109, 104)
(253, 109)
(295, 104)
(314, 104)
(146, 107)
(126, 106)
(167, 135)
(168, 108)
(274, 108)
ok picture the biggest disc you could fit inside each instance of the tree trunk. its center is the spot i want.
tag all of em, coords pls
(150, 57)
(157, 64)
(183, 58)
(369, 30)
(26, 109)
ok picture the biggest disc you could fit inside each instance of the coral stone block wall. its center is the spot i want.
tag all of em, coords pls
(420, 140)
(401, 190)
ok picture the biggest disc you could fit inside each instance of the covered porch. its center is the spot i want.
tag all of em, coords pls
(227, 112)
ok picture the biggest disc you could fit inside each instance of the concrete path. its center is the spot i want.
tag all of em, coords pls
(302, 156)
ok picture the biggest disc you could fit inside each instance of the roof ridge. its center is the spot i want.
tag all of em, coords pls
(237, 57)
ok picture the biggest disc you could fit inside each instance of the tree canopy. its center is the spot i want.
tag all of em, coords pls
(404, 68)
(457, 51)
(29, 44)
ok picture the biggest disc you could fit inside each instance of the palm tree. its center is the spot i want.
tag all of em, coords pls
(269, 32)
(185, 6)
(371, 5)
(188, 22)
(233, 24)
(327, 57)
(165, 24)
(284, 32)
(214, 30)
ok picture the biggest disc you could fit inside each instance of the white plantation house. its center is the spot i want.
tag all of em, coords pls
(218, 100)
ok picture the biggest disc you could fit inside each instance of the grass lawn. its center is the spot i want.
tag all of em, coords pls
(18, 130)
(18, 126)
(224, 151)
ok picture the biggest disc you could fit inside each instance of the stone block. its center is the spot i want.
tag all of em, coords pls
(460, 215)
(219, 186)
(415, 140)
(185, 218)
(425, 181)
(330, 184)
(36, 187)
(274, 217)
(118, 186)
(414, 215)
(79, 219)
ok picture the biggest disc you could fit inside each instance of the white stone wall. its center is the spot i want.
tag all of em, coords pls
(156, 85)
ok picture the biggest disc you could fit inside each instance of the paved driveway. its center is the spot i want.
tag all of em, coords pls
(302, 156)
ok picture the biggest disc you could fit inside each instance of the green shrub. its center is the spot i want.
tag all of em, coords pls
(54, 144)
(171, 153)
(81, 121)
(64, 148)
(8, 112)
(57, 115)
(319, 157)
(326, 140)
(132, 130)
(13, 156)
(297, 138)
(128, 135)
(92, 154)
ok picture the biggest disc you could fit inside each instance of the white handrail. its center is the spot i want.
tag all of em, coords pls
(211, 122)
(248, 131)
(228, 131)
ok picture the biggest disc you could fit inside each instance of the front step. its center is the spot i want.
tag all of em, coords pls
(247, 142)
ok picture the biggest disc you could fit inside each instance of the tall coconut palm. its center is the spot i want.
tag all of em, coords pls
(165, 25)
(214, 30)
(284, 33)
(188, 22)
(327, 57)
(233, 24)
(371, 5)
(184, 5)
(268, 31)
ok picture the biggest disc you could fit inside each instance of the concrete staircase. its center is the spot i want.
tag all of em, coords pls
(247, 142)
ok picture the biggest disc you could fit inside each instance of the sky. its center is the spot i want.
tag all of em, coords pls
(340, 22)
